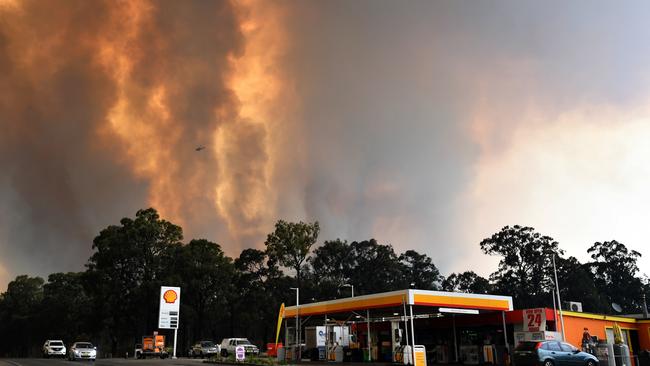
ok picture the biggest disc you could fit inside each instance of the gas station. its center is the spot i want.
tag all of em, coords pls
(406, 326)
(421, 327)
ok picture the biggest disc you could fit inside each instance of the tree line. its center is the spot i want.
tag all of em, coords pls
(114, 301)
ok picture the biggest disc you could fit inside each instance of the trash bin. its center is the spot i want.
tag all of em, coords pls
(366, 355)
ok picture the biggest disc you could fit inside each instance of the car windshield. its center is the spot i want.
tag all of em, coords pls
(56, 344)
(526, 346)
(84, 345)
(243, 341)
(207, 344)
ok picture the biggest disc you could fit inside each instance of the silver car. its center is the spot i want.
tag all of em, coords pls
(205, 349)
(82, 351)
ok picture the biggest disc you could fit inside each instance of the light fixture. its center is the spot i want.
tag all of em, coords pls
(458, 311)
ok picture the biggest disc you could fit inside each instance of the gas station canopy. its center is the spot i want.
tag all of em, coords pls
(410, 297)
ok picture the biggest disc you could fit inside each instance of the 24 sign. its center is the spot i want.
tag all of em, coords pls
(534, 320)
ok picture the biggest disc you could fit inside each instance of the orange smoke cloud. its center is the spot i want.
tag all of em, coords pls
(107, 101)
(245, 196)
(233, 181)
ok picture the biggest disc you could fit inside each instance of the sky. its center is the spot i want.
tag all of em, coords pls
(429, 125)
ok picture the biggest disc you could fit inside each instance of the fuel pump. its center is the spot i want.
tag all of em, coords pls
(397, 334)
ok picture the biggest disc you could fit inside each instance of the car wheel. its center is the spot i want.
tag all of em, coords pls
(548, 363)
(224, 353)
(591, 363)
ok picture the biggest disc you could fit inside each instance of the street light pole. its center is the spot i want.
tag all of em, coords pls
(557, 289)
(297, 339)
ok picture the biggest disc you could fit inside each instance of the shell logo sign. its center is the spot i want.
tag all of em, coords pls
(170, 296)
(170, 306)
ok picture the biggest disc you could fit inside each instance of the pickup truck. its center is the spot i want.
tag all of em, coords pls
(228, 346)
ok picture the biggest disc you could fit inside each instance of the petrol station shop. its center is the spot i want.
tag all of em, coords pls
(432, 327)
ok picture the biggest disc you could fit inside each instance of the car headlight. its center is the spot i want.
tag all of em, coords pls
(76, 352)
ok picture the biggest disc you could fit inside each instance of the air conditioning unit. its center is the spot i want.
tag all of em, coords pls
(575, 306)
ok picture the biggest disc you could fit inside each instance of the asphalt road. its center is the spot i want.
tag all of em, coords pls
(100, 362)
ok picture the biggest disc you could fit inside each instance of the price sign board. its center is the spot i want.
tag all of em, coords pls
(240, 353)
(170, 305)
(534, 320)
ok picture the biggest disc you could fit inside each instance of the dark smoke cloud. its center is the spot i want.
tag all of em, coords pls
(394, 94)
(59, 179)
(402, 111)
(65, 172)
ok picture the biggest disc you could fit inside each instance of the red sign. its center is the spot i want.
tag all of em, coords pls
(534, 320)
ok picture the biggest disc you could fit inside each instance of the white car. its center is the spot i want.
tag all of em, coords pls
(228, 346)
(82, 351)
(54, 348)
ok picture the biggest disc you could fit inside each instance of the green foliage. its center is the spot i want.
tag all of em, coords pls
(419, 271)
(577, 284)
(69, 306)
(291, 244)
(332, 266)
(205, 277)
(127, 270)
(615, 269)
(249, 360)
(468, 282)
(20, 308)
(380, 260)
(525, 269)
(115, 301)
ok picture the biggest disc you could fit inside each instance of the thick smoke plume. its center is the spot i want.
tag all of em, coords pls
(102, 105)
(428, 125)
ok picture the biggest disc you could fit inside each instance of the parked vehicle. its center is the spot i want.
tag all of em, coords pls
(551, 353)
(82, 351)
(228, 346)
(205, 349)
(54, 348)
(151, 346)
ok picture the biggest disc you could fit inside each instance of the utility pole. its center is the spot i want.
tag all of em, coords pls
(557, 288)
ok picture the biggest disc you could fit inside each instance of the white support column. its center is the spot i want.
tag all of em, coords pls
(327, 343)
(175, 338)
(406, 326)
